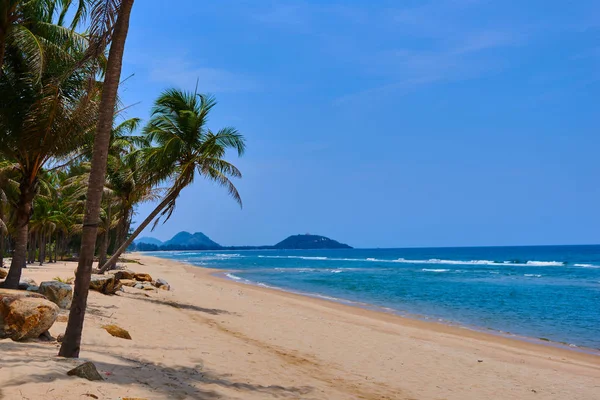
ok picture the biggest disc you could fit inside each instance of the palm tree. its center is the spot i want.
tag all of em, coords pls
(27, 25)
(41, 120)
(184, 147)
(99, 31)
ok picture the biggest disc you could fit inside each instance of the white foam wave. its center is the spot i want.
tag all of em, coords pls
(299, 257)
(435, 270)
(235, 278)
(481, 262)
(439, 261)
(545, 263)
(587, 266)
(533, 275)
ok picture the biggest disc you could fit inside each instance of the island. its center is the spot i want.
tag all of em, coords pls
(199, 241)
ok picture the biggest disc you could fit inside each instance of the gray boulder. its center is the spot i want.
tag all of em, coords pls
(59, 293)
(25, 315)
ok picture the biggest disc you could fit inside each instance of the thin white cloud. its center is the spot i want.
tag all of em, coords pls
(184, 74)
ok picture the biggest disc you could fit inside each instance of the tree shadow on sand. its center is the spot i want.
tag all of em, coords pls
(174, 304)
(183, 382)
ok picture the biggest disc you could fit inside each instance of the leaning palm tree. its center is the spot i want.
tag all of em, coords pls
(184, 147)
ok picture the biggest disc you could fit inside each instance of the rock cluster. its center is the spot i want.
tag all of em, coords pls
(106, 284)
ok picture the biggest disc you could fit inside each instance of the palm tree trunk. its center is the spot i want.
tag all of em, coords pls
(2, 49)
(2, 217)
(56, 247)
(29, 255)
(50, 248)
(122, 231)
(72, 339)
(105, 236)
(139, 230)
(1, 250)
(42, 255)
(23, 212)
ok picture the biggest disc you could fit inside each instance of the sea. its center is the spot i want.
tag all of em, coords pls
(549, 294)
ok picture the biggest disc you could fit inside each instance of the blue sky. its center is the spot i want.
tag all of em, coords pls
(386, 123)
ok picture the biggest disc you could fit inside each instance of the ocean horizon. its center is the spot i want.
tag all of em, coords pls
(547, 293)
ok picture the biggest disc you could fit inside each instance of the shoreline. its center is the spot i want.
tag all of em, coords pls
(223, 274)
(518, 342)
(542, 341)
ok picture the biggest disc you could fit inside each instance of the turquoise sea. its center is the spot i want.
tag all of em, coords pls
(549, 292)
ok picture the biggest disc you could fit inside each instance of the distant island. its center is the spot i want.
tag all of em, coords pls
(199, 241)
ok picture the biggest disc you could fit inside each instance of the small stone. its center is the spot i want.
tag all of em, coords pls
(147, 286)
(160, 282)
(138, 286)
(117, 331)
(86, 370)
(47, 337)
(128, 282)
(165, 287)
(143, 277)
(3, 273)
(62, 318)
(60, 337)
(25, 283)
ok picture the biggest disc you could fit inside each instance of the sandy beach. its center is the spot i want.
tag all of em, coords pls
(211, 338)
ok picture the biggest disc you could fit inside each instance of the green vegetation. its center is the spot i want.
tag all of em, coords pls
(64, 280)
(72, 167)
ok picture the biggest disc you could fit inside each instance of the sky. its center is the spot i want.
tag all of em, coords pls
(385, 123)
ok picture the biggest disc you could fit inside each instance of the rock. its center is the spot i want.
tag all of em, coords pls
(160, 282)
(124, 274)
(24, 283)
(33, 289)
(59, 293)
(60, 337)
(138, 286)
(3, 273)
(106, 284)
(47, 337)
(117, 331)
(62, 318)
(148, 286)
(143, 277)
(86, 370)
(25, 315)
(129, 282)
